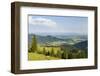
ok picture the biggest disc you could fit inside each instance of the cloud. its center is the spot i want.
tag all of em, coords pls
(42, 21)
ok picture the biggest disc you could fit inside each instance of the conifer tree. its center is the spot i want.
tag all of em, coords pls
(64, 55)
(59, 54)
(52, 52)
(44, 51)
(34, 44)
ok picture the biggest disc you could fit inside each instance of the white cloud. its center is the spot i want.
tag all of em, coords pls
(42, 21)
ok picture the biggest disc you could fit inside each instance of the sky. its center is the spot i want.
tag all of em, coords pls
(57, 24)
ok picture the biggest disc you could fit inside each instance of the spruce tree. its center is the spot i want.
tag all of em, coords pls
(34, 44)
(65, 55)
(59, 54)
(44, 51)
(52, 52)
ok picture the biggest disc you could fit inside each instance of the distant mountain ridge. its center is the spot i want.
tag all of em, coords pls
(55, 34)
(56, 39)
(45, 39)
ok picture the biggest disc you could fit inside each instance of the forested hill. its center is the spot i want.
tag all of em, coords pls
(81, 45)
(44, 39)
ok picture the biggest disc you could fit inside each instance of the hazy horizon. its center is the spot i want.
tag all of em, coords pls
(57, 33)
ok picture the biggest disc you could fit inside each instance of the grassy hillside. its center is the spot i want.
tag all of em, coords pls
(37, 56)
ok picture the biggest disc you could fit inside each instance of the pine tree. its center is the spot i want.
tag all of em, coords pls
(52, 52)
(65, 55)
(44, 51)
(59, 54)
(34, 44)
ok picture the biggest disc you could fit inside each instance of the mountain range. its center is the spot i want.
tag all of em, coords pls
(78, 41)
